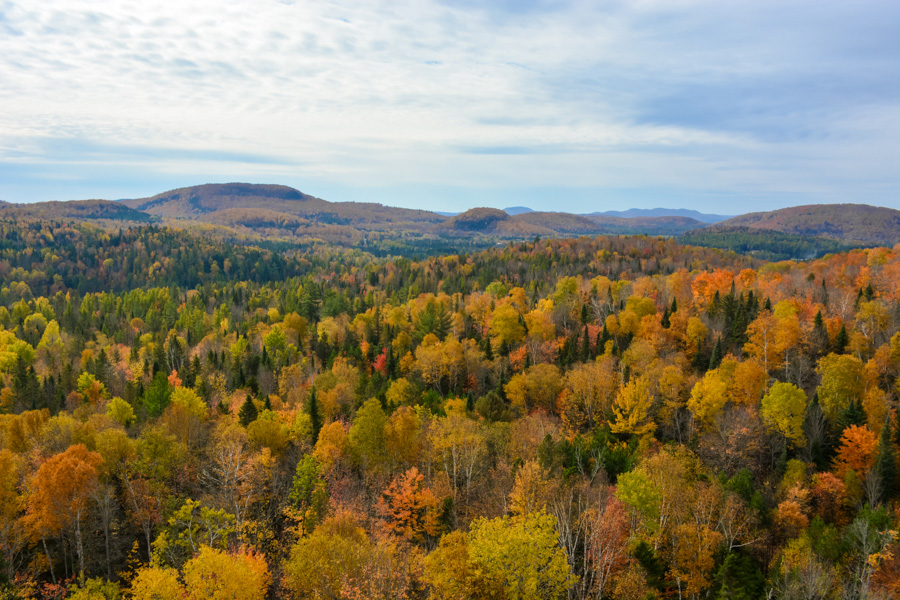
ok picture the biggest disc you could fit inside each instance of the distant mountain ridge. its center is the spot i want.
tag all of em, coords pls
(852, 223)
(516, 210)
(492, 221)
(632, 213)
(281, 213)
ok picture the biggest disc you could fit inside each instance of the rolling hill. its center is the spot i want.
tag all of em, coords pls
(73, 210)
(256, 202)
(490, 221)
(859, 224)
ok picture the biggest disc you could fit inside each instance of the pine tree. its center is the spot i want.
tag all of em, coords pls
(248, 412)
(820, 334)
(739, 578)
(315, 420)
(886, 463)
(841, 340)
(853, 415)
(665, 319)
(715, 359)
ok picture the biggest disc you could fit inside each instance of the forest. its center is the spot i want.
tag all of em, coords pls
(611, 417)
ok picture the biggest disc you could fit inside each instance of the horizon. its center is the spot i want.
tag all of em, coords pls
(446, 106)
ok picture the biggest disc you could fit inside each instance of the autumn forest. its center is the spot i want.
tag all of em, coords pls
(623, 418)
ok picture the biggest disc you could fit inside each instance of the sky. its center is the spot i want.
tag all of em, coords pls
(724, 106)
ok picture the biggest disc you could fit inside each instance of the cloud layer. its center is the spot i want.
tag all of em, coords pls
(580, 106)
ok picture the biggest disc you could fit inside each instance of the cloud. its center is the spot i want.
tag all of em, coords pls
(765, 101)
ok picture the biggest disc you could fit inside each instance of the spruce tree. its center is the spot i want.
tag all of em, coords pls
(841, 340)
(315, 421)
(248, 412)
(886, 463)
(715, 359)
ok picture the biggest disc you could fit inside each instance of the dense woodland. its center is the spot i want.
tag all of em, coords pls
(610, 417)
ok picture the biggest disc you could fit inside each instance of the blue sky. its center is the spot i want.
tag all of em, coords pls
(721, 106)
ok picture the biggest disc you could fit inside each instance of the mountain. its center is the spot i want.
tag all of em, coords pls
(632, 213)
(73, 210)
(491, 221)
(517, 210)
(858, 224)
(247, 202)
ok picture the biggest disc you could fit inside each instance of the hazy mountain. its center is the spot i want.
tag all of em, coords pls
(517, 210)
(632, 213)
(853, 223)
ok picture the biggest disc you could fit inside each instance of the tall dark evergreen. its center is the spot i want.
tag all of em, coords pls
(841, 340)
(886, 463)
(315, 419)
(248, 412)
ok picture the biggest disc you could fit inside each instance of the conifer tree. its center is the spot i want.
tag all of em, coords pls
(886, 463)
(315, 420)
(248, 412)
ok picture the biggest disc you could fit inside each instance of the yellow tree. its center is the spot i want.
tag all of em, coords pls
(460, 447)
(11, 505)
(708, 397)
(519, 558)
(217, 575)
(537, 387)
(842, 381)
(784, 410)
(506, 326)
(157, 583)
(335, 554)
(632, 409)
(448, 569)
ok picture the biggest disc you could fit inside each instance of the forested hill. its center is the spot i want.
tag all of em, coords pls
(73, 210)
(849, 223)
(203, 202)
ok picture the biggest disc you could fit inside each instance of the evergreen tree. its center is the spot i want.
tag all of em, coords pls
(819, 334)
(248, 412)
(315, 420)
(655, 570)
(841, 340)
(585, 346)
(853, 415)
(739, 578)
(886, 463)
(715, 359)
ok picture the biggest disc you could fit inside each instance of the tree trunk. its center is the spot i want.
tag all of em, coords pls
(79, 548)
(49, 560)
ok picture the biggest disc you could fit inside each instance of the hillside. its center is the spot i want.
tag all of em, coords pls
(73, 210)
(207, 203)
(766, 244)
(852, 223)
(490, 221)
